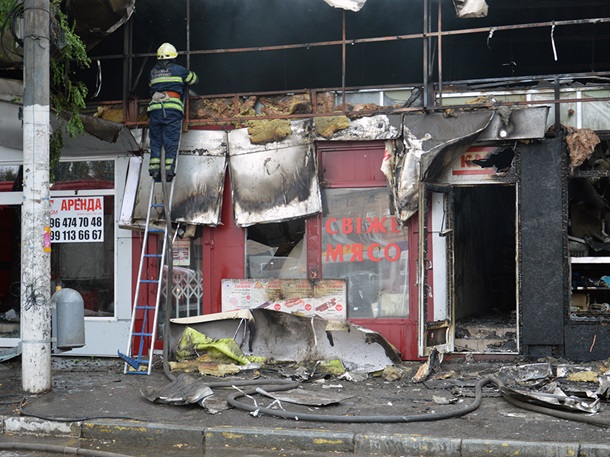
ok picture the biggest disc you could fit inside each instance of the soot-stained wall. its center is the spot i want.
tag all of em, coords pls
(543, 277)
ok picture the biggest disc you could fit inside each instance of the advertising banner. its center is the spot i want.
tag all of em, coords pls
(323, 297)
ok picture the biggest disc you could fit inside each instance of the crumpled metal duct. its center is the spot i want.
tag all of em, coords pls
(428, 140)
(285, 337)
(350, 5)
(470, 8)
(432, 141)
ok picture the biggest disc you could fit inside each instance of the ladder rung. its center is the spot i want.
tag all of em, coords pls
(156, 230)
(146, 307)
(157, 205)
(142, 334)
(153, 255)
(149, 281)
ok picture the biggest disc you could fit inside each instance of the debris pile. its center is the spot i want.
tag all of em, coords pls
(245, 339)
(266, 352)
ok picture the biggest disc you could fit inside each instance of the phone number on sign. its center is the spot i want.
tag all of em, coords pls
(75, 229)
(76, 235)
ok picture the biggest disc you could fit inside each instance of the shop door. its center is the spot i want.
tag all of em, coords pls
(362, 243)
(435, 270)
(485, 270)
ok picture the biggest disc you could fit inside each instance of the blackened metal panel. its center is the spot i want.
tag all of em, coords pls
(96, 19)
(516, 124)
(427, 138)
(436, 131)
(543, 278)
(198, 191)
(200, 175)
(276, 181)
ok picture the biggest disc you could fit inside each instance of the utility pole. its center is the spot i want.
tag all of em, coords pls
(35, 219)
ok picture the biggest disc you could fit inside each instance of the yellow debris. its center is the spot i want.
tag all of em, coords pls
(194, 343)
(327, 126)
(268, 131)
(583, 376)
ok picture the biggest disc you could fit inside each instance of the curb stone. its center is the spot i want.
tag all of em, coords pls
(294, 439)
(143, 433)
(279, 438)
(400, 444)
(502, 448)
(34, 426)
(594, 450)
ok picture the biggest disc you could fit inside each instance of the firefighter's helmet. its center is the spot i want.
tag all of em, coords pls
(166, 51)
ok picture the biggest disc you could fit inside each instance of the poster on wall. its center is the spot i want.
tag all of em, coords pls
(323, 297)
(77, 220)
(182, 253)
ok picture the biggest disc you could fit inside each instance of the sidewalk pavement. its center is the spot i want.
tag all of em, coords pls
(92, 399)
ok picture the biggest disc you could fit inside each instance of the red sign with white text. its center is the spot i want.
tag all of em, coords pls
(466, 166)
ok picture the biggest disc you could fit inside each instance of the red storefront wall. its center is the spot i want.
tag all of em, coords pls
(346, 164)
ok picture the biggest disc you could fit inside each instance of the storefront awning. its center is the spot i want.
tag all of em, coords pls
(101, 138)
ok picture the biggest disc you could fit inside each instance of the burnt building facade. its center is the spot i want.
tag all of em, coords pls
(446, 161)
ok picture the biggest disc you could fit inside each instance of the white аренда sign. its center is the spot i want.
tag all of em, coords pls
(77, 219)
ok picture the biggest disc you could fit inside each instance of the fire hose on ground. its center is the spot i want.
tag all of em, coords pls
(233, 401)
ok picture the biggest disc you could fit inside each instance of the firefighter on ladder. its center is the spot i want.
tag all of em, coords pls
(166, 109)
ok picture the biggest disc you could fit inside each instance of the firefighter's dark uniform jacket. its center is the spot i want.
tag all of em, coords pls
(166, 110)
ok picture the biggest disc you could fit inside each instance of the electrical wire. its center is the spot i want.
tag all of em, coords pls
(592, 420)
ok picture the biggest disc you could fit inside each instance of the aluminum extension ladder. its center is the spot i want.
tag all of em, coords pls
(138, 360)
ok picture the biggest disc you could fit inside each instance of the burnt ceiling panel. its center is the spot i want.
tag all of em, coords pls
(296, 28)
(96, 19)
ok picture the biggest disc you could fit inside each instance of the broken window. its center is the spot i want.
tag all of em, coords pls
(276, 250)
(588, 238)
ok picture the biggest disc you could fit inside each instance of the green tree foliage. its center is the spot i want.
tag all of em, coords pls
(67, 95)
